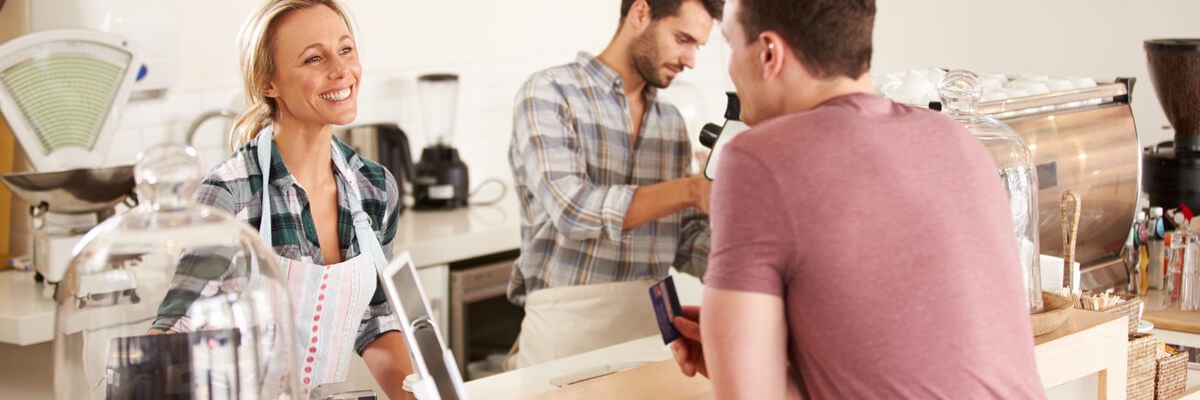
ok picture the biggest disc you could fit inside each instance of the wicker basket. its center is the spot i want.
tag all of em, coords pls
(1129, 308)
(1171, 378)
(1140, 383)
(1055, 313)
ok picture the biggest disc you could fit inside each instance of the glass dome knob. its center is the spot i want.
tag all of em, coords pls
(960, 91)
(167, 176)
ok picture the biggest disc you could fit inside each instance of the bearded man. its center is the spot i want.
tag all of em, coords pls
(601, 167)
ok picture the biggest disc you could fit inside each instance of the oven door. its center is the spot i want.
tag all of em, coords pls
(483, 324)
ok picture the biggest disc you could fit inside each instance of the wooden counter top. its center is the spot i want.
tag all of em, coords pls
(1173, 319)
(659, 380)
(1088, 343)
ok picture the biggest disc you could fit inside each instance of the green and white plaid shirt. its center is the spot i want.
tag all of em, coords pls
(236, 184)
(575, 171)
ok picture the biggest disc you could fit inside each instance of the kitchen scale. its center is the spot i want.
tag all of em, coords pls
(60, 92)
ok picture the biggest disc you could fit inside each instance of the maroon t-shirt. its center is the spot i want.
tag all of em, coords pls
(887, 234)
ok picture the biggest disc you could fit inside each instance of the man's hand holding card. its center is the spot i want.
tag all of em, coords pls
(680, 327)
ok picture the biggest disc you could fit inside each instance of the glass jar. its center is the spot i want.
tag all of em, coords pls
(173, 299)
(960, 91)
(1181, 278)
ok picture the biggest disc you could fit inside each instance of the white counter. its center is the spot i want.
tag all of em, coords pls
(439, 237)
(432, 237)
(26, 315)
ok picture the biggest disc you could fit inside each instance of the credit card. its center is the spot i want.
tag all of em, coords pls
(666, 307)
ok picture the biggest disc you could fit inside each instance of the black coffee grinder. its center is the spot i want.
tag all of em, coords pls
(1171, 170)
(441, 180)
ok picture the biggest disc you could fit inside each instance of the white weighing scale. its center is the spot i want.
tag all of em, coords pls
(60, 92)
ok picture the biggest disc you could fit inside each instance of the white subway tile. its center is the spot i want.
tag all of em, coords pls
(221, 98)
(143, 113)
(124, 148)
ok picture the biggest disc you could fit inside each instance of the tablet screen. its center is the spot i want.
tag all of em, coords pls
(432, 360)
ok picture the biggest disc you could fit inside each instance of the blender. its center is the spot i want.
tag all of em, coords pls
(441, 177)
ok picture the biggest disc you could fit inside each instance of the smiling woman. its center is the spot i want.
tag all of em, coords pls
(329, 215)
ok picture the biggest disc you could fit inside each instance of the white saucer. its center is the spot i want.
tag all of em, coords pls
(1145, 326)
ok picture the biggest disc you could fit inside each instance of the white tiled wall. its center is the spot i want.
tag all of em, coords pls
(494, 46)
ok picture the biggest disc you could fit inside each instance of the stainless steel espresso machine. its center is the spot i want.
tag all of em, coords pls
(1083, 140)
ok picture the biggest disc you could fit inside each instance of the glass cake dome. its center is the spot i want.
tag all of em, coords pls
(960, 91)
(173, 300)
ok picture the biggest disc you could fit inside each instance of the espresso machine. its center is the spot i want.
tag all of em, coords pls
(1172, 168)
(1082, 139)
(441, 180)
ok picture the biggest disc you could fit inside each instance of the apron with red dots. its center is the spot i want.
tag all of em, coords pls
(328, 301)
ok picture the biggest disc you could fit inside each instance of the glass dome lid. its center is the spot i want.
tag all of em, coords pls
(960, 92)
(173, 300)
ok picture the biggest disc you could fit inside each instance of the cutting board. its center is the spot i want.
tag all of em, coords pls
(1173, 319)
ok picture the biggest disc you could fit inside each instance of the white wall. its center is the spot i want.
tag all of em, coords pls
(494, 46)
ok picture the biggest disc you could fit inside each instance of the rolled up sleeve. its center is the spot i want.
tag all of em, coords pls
(694, 243)
(555, 169)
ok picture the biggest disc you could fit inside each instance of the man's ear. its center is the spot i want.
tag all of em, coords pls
(773, 54)
(638, 16)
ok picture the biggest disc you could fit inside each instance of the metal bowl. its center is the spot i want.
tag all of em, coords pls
(76, 191)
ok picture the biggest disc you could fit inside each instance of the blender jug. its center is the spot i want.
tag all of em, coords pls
(439, 101)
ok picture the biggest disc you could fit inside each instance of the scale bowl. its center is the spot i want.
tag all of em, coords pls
(75, 191)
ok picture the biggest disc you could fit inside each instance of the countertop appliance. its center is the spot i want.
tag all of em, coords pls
(386, 144)
(64, 206)
(1172, 168)
(441, 180)
(715, 136)
(60, 92)
(1082, 139)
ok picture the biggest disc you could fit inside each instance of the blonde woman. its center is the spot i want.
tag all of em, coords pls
(329, 214)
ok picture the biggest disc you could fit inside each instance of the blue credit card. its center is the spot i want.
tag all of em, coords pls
(666, 307)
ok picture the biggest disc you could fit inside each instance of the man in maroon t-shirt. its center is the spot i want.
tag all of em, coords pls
(861, 249)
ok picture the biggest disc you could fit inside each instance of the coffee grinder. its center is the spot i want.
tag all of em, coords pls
(441, 177)
(1172, 169)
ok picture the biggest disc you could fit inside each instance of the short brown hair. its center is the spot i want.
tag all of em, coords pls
(660, 9)
(831, 37)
